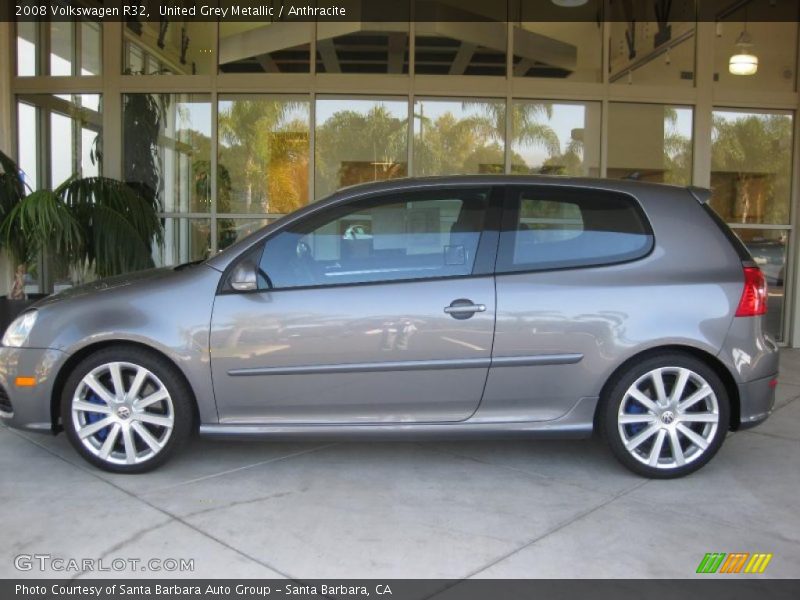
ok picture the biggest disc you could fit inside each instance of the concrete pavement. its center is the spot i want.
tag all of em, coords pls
(452, 510)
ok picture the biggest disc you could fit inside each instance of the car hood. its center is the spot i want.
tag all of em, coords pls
(107, 284)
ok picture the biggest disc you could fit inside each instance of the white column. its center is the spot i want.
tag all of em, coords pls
(704, 80)
(7, 120)
(792, 276)
(112, 100)
(6, 99)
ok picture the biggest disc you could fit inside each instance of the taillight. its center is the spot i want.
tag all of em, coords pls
(754, 295)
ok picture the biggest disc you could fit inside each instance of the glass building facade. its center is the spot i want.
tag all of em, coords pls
(249, 121)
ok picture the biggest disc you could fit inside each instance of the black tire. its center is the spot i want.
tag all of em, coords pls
(609, 408)
(182, 406)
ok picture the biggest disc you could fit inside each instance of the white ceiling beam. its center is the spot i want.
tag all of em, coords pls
(527, 44)
(266, 62)
(462, 58)
(327, 53)
(264, 40)
(397, 50)
(522, 67)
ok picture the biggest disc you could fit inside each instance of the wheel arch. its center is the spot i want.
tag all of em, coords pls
(709, 359)
(75, 358)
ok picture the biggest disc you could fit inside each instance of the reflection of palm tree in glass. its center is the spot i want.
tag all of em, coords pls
(677, 150)
(529, 129)
(353, 147)
(527, 123)
(569, 163)
(532, 132)
(474, 142)
(255, 141)
(751, 167)
(449, 145)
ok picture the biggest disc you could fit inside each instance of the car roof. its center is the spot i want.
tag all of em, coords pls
(631, 186)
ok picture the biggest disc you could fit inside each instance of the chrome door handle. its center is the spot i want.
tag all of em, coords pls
(461, 309)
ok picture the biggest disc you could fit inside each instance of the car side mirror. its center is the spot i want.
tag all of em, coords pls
(244, 276)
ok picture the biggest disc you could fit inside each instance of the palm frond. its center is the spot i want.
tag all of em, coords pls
(115, 245)
(12, 192)
(43, 222)
(12, 188)
(119, 224)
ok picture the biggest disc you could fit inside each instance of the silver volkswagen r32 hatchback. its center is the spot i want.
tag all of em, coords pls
(485, 306)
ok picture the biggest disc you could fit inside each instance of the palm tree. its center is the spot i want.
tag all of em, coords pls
(12, 190)
(527, 123)
(357, 146)
(93, 222)
(751, 158)
(144, 114)
(677, 150)
(248, 130)
(528, 126)
(449, 145)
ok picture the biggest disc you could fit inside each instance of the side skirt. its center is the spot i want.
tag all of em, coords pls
(577, 423)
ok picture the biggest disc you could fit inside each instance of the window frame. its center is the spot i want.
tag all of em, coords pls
(485, 255)
(511, 205)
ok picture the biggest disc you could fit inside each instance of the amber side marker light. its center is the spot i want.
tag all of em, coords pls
(25, 381)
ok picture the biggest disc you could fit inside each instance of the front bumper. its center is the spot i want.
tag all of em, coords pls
(756, 399)
(29, 406)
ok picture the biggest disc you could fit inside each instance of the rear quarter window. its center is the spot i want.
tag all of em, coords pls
(555, 228)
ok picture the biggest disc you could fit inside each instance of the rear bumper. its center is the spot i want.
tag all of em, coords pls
(752, 358)
(28, 407)
(756, 399)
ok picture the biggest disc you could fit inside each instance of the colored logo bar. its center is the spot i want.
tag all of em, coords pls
(735, 562)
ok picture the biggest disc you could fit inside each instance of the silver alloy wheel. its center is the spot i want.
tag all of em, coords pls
(668, 417)
(122, 413)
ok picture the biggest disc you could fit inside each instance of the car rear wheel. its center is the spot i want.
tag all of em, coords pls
(126, 410)
(666, 416)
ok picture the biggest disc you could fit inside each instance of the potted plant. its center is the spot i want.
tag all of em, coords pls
(91, 224)
(12, 191)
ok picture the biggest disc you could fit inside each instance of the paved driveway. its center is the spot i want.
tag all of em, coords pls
(450, 510)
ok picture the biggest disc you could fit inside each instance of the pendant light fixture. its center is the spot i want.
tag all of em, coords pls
(744, 61)
(570, 3)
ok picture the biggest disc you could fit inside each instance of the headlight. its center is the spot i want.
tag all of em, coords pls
(17, 332)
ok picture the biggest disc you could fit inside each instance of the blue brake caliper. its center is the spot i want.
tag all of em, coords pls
(94, 417)
(634, 408)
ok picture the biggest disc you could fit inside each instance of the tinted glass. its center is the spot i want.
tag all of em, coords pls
(166, 144)
(650, 142)
(263, 153)
(359, 140)
(461, 136)
(555, 138)
(751, 165)
(410, 236)
(550, 229)
(768, 249)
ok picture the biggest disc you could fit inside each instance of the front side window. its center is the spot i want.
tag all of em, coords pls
(406, 235)
(555, 229)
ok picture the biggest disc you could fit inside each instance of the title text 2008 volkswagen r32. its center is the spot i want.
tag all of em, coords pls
(462, 306)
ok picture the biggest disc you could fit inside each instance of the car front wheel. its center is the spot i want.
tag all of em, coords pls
(667, 416)
(126, 410)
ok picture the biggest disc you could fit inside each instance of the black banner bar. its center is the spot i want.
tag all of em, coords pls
(712, 588)
(656, 11)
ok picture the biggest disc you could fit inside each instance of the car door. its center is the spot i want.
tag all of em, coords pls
(566, 286)
(377, 310)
